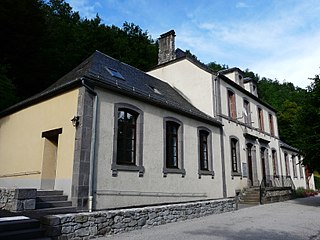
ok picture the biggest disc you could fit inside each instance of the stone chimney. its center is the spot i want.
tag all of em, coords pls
(166, 47)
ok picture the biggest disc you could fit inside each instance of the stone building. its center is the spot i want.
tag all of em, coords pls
(112, 136)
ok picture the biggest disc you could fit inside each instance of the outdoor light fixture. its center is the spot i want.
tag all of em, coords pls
(75, 121)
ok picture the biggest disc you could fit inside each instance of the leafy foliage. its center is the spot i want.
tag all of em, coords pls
(42, 40)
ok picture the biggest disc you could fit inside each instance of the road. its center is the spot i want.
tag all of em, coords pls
(297, 219)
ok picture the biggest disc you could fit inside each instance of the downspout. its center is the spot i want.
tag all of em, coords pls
(92, 145)
(218, 114)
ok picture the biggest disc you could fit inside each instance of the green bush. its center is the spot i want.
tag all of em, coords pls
(301, 192)
(317, 182)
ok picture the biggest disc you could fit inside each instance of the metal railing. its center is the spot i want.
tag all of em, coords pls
(271, 181)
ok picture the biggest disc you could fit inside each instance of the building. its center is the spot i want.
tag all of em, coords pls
(178, 133)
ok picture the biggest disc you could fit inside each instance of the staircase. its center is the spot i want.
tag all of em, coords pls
(250, 196)
(53, 202)
(20, 227)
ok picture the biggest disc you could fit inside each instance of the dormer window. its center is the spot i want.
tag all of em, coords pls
(114, 73)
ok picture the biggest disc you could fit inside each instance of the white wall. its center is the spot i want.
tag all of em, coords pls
(128, 188)
(193, 82)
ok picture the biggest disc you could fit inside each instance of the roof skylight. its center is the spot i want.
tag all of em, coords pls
(154, 90)
(115, 73)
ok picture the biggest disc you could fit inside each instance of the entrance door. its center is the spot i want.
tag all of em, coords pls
(263, 163)
(249, 163)
(49, 163)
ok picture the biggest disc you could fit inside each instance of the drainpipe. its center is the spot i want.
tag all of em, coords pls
(92, 145)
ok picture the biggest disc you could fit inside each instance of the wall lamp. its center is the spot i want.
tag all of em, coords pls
(75, 121)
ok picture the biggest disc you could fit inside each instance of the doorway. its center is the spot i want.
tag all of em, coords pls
(263, 162)
(50, 154)
(249, 164)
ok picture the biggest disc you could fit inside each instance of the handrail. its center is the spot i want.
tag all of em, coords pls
(19, 174)
(278, 181)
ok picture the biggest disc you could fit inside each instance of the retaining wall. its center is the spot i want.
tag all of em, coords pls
(271, 195)
(101, 223)
(18, 199)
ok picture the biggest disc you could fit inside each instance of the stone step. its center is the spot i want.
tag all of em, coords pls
(32, 233)
(55, 210)
(12, 225)
(52, 198)
(49, 192)
(53, 204)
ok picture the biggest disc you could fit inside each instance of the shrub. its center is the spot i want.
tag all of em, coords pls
(301, 192)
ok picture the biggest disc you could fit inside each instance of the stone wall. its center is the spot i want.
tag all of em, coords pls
(101, 223)
(271, 195)
(17, 199)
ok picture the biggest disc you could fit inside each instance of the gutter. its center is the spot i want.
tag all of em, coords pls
(92, 146)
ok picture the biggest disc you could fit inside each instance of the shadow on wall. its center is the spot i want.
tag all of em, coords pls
(247, 234)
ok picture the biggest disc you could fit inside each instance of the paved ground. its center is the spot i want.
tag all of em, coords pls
(292, 220)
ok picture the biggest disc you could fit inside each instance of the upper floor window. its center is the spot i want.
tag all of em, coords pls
(232, 105)
(246, 112)
(127, 139)
(271, 126)
(260, 119)
(173, 162)
(205, 152)
(235, 156)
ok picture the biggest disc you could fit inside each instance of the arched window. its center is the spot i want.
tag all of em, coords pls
(235, 156)
(205, 152)
(128, 139)
(173, 146)
(232, 105)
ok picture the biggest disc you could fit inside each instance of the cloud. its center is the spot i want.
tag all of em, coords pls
(242, 5)
(86, 8)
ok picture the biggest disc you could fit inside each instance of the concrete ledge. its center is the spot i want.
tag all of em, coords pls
(102, 223)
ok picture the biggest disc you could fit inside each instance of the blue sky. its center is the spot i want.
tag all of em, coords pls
(278, 39)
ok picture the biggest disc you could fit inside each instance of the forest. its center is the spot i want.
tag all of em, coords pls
(43, 40)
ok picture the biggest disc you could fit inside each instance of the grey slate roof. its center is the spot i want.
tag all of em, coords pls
(288, 147)
(136, 83)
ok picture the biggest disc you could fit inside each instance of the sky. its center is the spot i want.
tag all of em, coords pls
(277, 39)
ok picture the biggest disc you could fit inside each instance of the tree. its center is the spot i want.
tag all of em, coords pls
(309, 127)
(7, 90)
(217, 67)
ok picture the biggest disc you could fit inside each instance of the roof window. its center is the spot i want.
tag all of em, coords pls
(114, 73)
(154, 90)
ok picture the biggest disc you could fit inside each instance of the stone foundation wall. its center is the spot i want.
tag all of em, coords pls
(102, 223)
(277, 195)
(18, 199)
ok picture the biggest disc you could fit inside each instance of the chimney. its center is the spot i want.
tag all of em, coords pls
(166, 47)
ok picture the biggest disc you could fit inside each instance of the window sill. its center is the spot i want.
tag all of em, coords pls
(206, 172)
(127, 168)
(167, 171)
(236, 174)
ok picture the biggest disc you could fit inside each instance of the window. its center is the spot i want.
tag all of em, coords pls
(114, 73)
(127, 152)
(274, 163)
(300, 167)
(173, 134)
(205, 152)
(231, 105)
(126, 144)
(172, 144)
(246, 112)
(235, 158)
(260, 118)
(271, 124)
(286, 159)
(294, 166)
